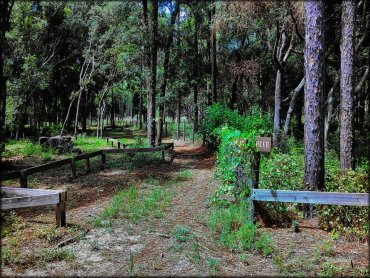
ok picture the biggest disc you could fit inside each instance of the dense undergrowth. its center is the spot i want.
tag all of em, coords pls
(281, 169)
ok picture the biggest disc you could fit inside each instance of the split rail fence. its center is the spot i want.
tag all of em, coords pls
(23, 174)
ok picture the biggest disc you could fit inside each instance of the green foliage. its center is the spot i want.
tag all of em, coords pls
(89, 144)
(51, 129)
(94, 245)
(233, 229)
(139, 142)
(282, 171)
(54, 254)
(328, 269)
(184, 175)
(218, 116)
(325, 248)
(48, 154)
(263, 244)
(295, 226)
(346, 220)
(9, 257)
(49, 233)
(213, 263)
(183, 233)
(24, 148)
(233, 162)
(131, 205)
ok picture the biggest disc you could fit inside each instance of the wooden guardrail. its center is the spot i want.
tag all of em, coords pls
(12, 198)
(23, 174)
(311, 197)
(307, 197)
(295, 196)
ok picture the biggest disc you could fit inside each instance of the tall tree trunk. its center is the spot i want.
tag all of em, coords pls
(84, 111)
(5, 11)
(196, 70)
(292, 103)
(234, 91)
(347, 84)
(66, 121)
(209, 56)
(146, 63)
(213, 53)
(153, 75)
(178, 114)
(112, 112)
(277, 108)
(280, 60)
(140, 112)
(101, 109)
(77, 111)
(165, 71)
(329, 113)
(314, 89)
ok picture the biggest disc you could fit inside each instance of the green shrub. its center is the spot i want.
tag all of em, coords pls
(90, 144)
(347, 220)
(184, 175)
(183, 233)
(282, 171)
(47, 155)
(233, 162)
(131, 205)
(51, 130)
(218, 116)
(24, 148)
(263, 244)
(233, 228)
(328, 269)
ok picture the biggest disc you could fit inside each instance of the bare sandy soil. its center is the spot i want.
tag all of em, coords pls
(149, 247)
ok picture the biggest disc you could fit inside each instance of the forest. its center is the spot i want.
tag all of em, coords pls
(140, 121)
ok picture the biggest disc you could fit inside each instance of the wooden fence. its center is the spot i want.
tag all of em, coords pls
(311, 197)
(23, 197)
(23, 174)
(295, 196)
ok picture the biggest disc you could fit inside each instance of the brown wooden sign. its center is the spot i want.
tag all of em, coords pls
(263, 144)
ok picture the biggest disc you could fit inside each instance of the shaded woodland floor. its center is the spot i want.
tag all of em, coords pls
(173, 240)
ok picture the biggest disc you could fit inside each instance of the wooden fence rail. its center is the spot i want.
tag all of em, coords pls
(23, 174)
(311, 197)
(12, 198)
(293, 196)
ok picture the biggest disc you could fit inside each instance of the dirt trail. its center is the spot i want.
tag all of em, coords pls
(146, 248)
(151, 248)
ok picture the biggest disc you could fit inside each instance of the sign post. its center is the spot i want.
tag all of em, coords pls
(263, 144)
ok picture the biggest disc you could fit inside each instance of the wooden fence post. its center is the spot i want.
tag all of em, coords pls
(107, 141)
(184, 130)
(112, 144)
(23, 179)
(87, 165)
(192, 132)
(162, 155)
(73, 167)
(119, 144)
(103, 158)
(60, 211)
(255, 171)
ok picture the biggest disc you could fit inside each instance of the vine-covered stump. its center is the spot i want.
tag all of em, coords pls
(62, 144)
